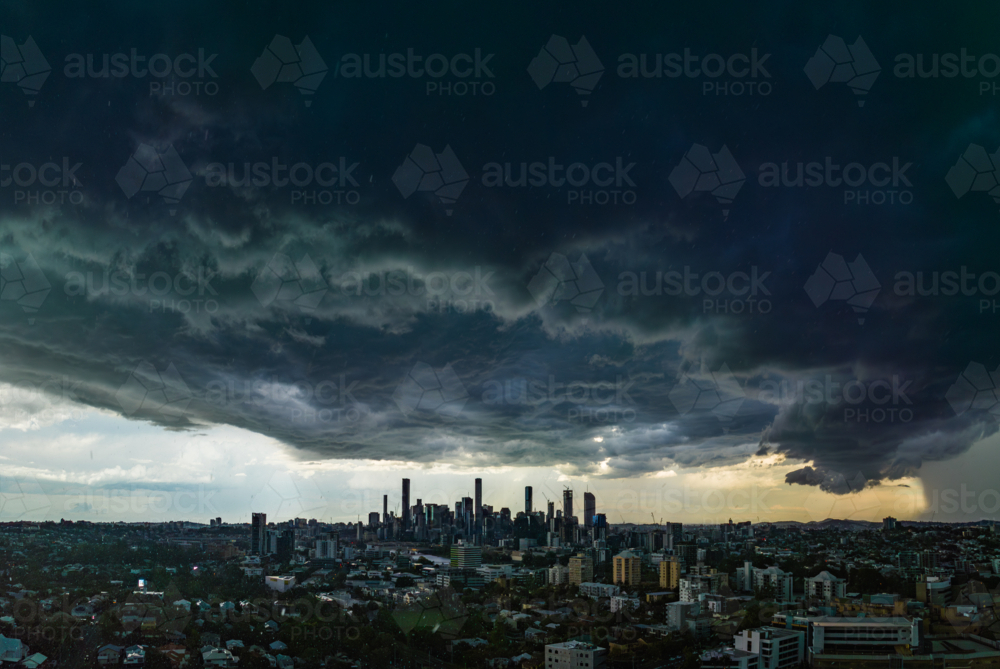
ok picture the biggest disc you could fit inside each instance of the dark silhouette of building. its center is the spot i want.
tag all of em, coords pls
(406, 504)
(258, 527)
(479, 505)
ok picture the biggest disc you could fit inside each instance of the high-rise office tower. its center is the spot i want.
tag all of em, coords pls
(600, 526)
(258, 526)
(406, 504)
(551, 512)
(589, 509)
(466, 556)
(567, 503)
(467, 514)
(385, 509)
(528, 506)
(675, 534)
(479, 504)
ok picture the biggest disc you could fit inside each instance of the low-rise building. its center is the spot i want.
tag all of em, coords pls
(280, 583)
(574, 655)
(826, 586)
(729, 658)
(598, 590)
(624, 603)
(777, 648)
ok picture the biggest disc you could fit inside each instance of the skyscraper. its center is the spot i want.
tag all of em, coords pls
(385, 509)
(258, 526)
(589, 509)
(467, 514)
(600, 526)
(551, 512)
(406, 504)
(479, 505)
(567, 503)
(675, 534)
(528, 506)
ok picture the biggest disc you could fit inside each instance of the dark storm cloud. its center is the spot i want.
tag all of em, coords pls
(392, 282)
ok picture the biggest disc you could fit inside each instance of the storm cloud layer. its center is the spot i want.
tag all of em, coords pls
(370, 266)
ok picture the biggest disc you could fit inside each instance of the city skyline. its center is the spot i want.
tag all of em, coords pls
(257, 293)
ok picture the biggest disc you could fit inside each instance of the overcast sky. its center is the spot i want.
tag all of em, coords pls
(755, 280)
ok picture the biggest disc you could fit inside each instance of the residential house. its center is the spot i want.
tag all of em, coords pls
(135, 656)
(217, 657)
(109, 655)
(176, 654)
